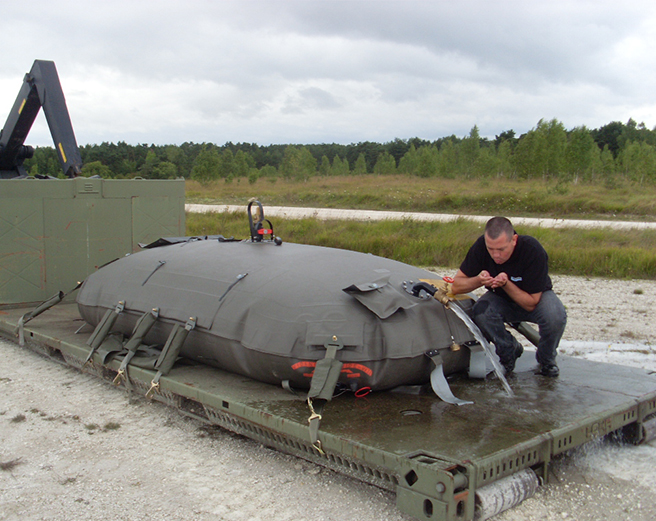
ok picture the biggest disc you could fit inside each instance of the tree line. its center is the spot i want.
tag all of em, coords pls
(548, 151)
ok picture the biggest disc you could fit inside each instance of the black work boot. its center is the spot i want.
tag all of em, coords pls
(550, 370)
(519, 350)
(509, 365)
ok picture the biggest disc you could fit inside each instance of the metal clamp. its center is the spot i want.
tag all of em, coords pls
(119, 376)
(154, 386)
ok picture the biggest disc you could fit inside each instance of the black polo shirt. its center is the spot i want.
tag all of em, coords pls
(527, 267)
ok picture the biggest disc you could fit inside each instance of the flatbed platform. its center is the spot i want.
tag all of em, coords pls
(433, 455)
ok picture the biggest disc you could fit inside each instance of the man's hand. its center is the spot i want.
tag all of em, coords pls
(498, 282)
(464, 284)
(526, 300)
(484, 278)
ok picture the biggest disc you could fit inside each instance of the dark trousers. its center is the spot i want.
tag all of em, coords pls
(491, 312)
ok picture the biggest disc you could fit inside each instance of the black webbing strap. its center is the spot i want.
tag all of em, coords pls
(103, 328)
(170, 352)
(140, 330)
(159, 265)
(322, 387)
(439, 383)
(44, 306)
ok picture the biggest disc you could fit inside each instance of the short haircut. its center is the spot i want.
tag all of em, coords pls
(498, 225)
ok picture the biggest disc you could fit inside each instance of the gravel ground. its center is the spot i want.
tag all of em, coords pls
(74, 447)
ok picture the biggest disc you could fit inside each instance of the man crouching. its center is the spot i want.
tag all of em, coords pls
(514, 269)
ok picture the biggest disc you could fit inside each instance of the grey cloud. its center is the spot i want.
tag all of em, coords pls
(174, 71)
(312, 98)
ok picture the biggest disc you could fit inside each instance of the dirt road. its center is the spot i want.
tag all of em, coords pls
(294, 212)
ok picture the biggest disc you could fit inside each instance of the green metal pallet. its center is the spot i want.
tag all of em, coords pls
(433, 455)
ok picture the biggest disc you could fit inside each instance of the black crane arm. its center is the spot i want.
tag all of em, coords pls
(41, 88)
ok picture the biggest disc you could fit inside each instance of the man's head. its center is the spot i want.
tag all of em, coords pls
(500, 239)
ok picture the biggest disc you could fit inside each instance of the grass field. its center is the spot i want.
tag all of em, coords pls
(611, 199)
(595, 253)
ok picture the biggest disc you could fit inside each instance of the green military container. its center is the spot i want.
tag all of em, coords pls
(55, 232)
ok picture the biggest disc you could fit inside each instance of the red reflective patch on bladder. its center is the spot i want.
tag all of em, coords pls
(346, 369)
(298, 365)
(359, 367)
(351, 374)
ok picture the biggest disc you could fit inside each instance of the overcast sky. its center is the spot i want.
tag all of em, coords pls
(311, 71)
